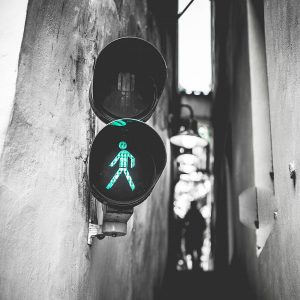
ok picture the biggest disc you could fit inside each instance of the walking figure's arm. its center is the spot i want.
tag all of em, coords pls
(132, 160)
(115, 160)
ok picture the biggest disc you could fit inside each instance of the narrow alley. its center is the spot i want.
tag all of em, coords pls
(149, 149)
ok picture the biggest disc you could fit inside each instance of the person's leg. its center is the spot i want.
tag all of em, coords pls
(129, 179)
(195, 259)
(114, 179)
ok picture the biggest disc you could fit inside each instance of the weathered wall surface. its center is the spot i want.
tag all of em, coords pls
(256, 102)
(44, 198)
(232, 122)
(282, 48)
(12, 19)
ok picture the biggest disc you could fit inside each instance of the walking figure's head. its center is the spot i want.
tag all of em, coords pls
(122, 145)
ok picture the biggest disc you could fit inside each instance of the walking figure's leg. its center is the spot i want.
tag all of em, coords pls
(114, 179)
(129, 179)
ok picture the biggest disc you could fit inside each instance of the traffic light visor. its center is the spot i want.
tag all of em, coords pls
(129, 77)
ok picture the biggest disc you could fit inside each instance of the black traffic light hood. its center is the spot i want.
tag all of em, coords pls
(129, 78)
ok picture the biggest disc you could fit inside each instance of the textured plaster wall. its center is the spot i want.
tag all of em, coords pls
(232, 119)
(44, 199)
(275, 273)
(12, 19)
(282, 47)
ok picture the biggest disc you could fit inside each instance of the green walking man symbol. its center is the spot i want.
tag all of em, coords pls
(123, 157)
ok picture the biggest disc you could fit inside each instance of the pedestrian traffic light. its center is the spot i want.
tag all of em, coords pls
(127, 156)
(126, 160)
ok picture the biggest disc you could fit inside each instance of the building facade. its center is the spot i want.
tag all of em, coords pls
(256, 121)
(45, 202)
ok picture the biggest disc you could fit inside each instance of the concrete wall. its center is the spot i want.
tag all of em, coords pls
(12, 19)
(232, 124)
(44, 198)
(282, 48)
(256, 120)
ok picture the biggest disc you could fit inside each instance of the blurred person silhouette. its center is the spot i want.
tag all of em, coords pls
(194, 228)
(178, 232)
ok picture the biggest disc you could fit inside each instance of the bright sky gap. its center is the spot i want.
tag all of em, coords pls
(194, 47)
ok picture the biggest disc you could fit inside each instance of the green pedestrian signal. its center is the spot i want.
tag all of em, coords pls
(123, 157)
(126, 160)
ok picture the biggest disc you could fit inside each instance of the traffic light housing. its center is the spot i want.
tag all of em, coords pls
(126, 160)
(127, 156)
(128, 80)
